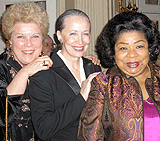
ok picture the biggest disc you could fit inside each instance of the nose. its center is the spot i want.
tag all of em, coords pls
(28, 42)
(132, 53)
(80, 39)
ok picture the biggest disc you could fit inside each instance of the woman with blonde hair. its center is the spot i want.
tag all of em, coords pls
(24, 25)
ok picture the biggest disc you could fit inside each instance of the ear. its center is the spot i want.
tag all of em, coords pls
(59, 36)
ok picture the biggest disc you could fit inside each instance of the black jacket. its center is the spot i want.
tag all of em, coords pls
(56, 103)
(19, 119)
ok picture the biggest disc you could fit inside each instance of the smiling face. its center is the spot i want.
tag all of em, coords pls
(75, 37)
(26, 42)
(131, 53)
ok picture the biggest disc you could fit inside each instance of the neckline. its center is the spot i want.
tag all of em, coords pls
(149, 101)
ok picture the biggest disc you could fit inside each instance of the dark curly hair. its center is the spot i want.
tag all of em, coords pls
(125, 22)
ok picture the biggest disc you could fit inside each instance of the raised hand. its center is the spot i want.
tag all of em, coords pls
(86, 84)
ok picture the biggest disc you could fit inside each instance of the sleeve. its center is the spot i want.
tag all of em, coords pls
(13, 101)
(49, 121)
(90, 126)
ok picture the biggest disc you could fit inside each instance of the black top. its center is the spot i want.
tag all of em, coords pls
(19, 119)
(56, 103)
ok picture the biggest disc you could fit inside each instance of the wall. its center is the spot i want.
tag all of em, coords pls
(69, 4)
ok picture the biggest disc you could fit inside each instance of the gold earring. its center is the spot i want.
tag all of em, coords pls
(41, 54)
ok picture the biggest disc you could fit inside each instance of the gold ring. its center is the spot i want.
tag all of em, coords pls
(44, 63)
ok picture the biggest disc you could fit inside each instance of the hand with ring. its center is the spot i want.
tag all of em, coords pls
(44, 63)
(40, 63)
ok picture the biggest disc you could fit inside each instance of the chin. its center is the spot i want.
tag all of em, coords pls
(78, 55)
(134, 74)
(27, 62)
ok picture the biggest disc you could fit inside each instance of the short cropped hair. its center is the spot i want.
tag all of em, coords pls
(126, 22)
(25, 12)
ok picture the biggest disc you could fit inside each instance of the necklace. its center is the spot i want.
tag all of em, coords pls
(149, 102)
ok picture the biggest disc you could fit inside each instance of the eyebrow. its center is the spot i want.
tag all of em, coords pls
(18, 33)
(23, 33)
(77, 30)
(134, 42)
(139, 41)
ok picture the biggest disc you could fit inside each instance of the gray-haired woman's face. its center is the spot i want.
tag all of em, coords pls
(75, 36)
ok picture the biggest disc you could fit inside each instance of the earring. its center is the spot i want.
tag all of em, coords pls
(41, 54)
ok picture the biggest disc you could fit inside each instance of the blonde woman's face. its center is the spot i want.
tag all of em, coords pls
(26, 42)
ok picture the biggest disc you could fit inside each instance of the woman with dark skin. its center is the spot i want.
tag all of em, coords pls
(124, 101)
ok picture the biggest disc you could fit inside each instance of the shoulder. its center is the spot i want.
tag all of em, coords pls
(2, 58)
(44, 74)
(3, 63)
(109, 76)
(88, 62)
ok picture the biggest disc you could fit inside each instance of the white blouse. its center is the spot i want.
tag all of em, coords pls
(82, 72)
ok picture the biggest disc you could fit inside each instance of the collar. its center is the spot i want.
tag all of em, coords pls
(63, 72)
(82, 73)
(57, 63)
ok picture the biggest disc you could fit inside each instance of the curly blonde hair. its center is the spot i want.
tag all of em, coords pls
(25, 12)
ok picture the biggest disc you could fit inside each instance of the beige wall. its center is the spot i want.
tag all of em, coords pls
(69, 4)
(63, 5)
